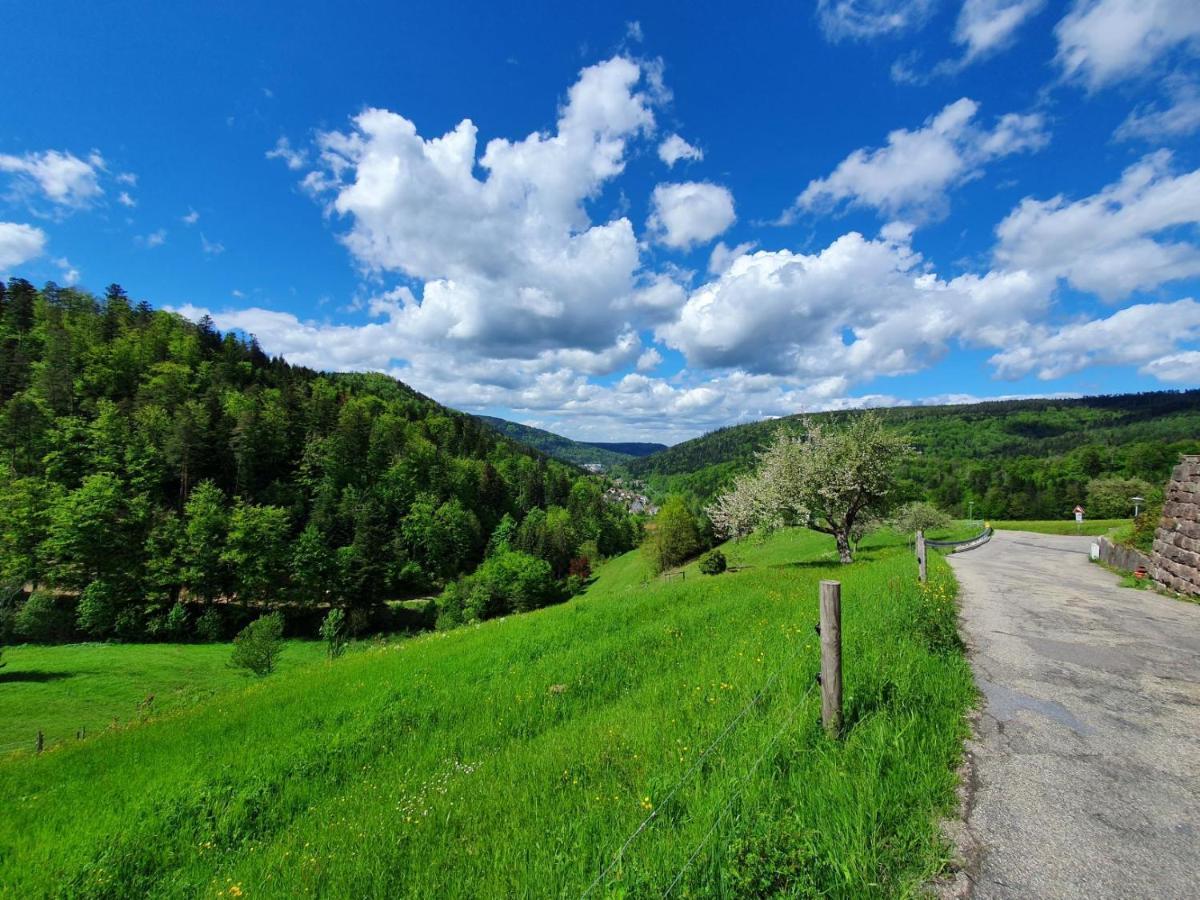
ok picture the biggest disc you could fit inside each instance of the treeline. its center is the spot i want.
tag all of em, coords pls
(1024, 459)
(161, 479)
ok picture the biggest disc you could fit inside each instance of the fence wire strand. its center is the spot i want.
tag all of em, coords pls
(645, 823)
(737, 791)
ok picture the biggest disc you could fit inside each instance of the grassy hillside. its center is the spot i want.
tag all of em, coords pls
(577, 452)
(513, 758)
(1026, 459)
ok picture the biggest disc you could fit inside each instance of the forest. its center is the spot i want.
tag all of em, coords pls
(162, 480)
(1018, 459)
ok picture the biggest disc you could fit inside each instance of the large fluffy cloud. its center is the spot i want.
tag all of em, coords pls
(858, 309)
(60, 177)
(912, 174)
(690, 213)
(511, 263)
(1114, 242)
(1103, 41)
(1146, 334)
(19, 244)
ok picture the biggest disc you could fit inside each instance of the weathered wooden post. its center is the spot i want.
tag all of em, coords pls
(831, 657)
(921, 567)
(41, 742)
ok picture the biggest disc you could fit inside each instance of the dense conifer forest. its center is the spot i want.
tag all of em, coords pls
(159, 479)
(1018, 459)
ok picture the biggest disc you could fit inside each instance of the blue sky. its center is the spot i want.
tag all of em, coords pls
(630, 223)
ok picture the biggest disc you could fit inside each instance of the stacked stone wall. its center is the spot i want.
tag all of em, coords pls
(1177, 542)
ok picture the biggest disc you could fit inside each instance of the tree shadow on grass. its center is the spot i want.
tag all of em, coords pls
(33, 675)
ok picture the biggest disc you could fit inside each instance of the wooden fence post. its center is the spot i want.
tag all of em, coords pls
(921, 566)
(831, 657)
(41, 742)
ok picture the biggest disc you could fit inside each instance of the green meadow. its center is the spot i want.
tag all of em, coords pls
(1091, 527)
(63, 691)
(515, 757)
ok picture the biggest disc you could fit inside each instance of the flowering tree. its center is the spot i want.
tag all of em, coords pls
(829, 479)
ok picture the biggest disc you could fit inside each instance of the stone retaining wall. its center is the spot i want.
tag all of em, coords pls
(1120, 557)
(1177, 541)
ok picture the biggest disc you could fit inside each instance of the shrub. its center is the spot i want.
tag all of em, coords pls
(40, 618)
(208, 626)
(1112, 498)
(96, 614)
(177, 621)
(1145, 525)
(919, 516)
(258, 645)
(508, 582)
(713, 563)
(333, 632)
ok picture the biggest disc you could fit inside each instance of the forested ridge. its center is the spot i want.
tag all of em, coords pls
(1017, 459)
(161, 479)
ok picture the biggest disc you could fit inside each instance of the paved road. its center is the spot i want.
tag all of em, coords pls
(1087, 761)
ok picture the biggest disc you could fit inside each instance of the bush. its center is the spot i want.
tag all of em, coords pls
(208, 626)
(919, 516)
(1145, 525)
(508, 582)
(96, 614)
(177, 621)
(41, 618)
(258, 645)
(713, 563)
(1111, 498)
(333, 632)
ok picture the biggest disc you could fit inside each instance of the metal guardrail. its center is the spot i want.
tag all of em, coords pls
(969, 544)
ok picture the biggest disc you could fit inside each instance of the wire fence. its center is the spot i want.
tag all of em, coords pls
(737, 792)
(696, 765)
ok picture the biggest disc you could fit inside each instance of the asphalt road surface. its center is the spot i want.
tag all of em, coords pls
(1086, 765)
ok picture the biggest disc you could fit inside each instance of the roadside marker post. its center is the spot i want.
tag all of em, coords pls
(922, 569)
(831, 657)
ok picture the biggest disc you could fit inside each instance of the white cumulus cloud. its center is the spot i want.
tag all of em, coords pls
(511, 263)
(675, 148)
(913, 172)
(1104, 41)
(61, 177)
(1115, 241)
(1146, 334)
(19, 244)
(858, 309)
(689, 213)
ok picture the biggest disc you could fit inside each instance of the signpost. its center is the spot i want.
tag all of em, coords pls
(1078, 519)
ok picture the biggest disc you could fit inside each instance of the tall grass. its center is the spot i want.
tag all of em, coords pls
(513, 758)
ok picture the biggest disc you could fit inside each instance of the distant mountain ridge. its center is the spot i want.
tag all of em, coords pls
(581, 453)
(1006, 459)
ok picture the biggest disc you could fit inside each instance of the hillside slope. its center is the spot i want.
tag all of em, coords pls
(1020, 459)
(150, 466)
(513, 758)
(580, 453)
